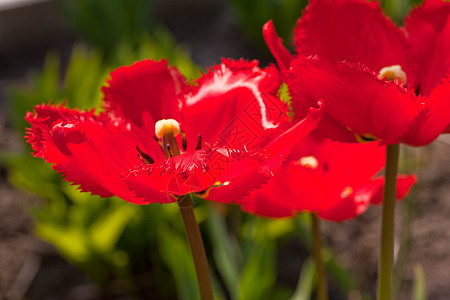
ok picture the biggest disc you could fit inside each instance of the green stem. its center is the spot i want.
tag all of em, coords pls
(197, 249)
(322, 291)
(387, 226)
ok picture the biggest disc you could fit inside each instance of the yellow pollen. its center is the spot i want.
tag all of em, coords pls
(167, 127)
(365, 138)
(205, 193)
(309, 162)
(393, 72)
(347, 191)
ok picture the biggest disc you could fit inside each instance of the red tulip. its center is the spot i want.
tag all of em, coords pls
(378, 82)
(159, 138)
(337, 181)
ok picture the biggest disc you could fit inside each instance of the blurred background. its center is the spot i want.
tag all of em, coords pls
(57, 243)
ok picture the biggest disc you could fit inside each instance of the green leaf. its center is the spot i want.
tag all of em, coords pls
(175, 252)
(277, 228)
(33, 175)
(109, 226)
(343, 278)
(258, 273)
(226, 252)
(70, 242)
(306, 281)
(420, 290)
(84, 78)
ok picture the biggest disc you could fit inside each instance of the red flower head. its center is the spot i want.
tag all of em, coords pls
(378, 82)
(158, 137)
(332, 179)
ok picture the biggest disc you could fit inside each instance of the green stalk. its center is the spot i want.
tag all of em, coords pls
(322, 290)
(196, 244)
(387, 226)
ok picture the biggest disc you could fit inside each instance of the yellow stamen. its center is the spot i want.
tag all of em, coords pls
(309, 162)
(347, 191)
(391, 73)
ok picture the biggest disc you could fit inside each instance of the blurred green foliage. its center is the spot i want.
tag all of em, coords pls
(253, 14)
(110, 23)
(79, 86)
(398, 9)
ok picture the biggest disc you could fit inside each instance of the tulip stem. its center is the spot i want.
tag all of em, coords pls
(322, 291)
(197, 249)
(387, 226)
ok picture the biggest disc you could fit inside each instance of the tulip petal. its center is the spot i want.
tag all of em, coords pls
(233, 105)
(276, 146)
(428, 27)
(194, 171)
(404, 185)
(371, 193)
(144, 93)
(354, 98)
(434, 118)
(89, 150)
(275, 45)
(351, 30)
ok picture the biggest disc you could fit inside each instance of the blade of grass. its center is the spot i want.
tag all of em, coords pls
(306, 281)
(420, 291)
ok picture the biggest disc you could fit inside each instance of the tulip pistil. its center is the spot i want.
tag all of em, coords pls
(166, 130)
(392, 73)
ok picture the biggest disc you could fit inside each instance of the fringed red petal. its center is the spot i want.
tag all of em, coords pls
(276, 146)
(195, 171)
(275, 44)
(88, 150)
(354, 98)
(434, 118)
(404, 185)
(329, 178)
(233, 104)
(351, 30)
(144, 93)
(428, 28)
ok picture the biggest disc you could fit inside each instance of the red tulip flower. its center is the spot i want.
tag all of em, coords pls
(158, 137)
(378, 82)
(337, 181)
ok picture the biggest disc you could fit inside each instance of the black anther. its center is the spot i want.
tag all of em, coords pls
(183, 141)
(144, 156)
(168, 150)
(199, 143)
